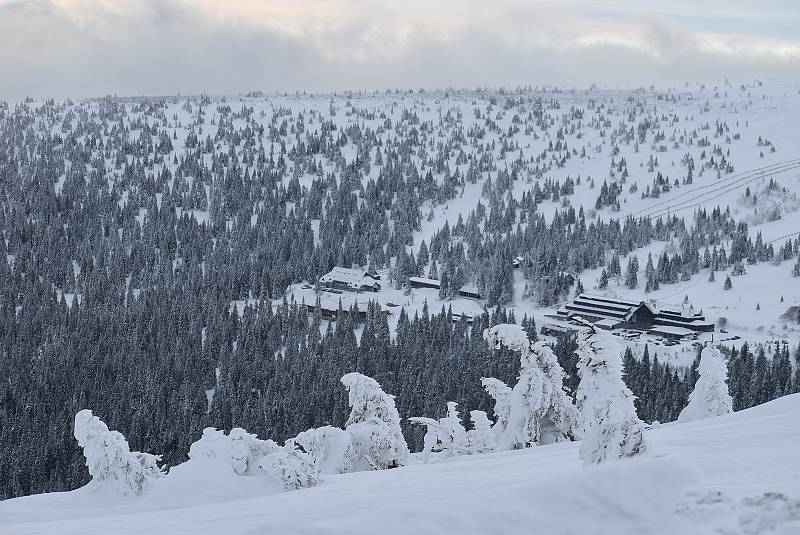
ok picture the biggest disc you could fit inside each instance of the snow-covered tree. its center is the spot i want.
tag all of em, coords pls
(247, 455)
(110, 461)
(375, 414)
(375, 446)
(446, 435)
(559, 421)
(611, 428)
(507, 335)
(710, 396)
(331, 448)
(539, 410)
(430, 442)
(452, 434)
(501, 393)
(241, 449)
(293, 468)
(481, 437)
(372, 439)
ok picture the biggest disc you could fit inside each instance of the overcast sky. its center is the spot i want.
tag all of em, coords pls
(154, 47)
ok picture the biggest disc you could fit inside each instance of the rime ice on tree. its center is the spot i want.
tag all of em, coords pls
(110, 461)
(539, 411)
(292, 467)
(481, 438)
(430, 441)
(330, 447)
(452, 433)
(501, 393)
(374, 422)
(248, 455)
(710, 396)
(611, 428)
(372, 439)
(446, 434)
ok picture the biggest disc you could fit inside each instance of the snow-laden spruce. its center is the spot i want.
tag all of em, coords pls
(452, 433)
(293, 468)
(110, 461)
(331, 448)
(372, 438)
(480, 438)
(430, 442)
(539, 410)
(509, 335)
(501, 393)
(445, 435)
(710, 396)
(247, 455)
(374, 423)
(611, 428)
(240, 449)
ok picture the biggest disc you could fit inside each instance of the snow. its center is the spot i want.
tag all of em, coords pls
(710, 396)
(537, 410)
(700, 477)
(424, 280)
(607, 323)
(667, 329)
(354, 278)
(113, 466)
(707, 477)
(766, 108)
(611, 428)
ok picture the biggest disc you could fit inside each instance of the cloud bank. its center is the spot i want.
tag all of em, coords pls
(154, 47)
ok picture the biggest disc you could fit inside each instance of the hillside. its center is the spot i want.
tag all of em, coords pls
(735, 474)
(163, 255)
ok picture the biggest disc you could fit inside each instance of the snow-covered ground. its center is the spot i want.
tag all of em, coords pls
(734, 474)
(758, 111)
(753, 126)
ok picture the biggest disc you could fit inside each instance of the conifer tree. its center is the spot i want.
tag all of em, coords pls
(611, 428)
(710, 396)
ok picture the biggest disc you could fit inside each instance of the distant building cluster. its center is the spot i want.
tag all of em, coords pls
(341, 288)
(468, 290)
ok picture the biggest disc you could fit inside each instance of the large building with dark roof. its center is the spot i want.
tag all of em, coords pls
(611, 313)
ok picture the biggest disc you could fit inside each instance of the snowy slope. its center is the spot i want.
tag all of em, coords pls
(685, 115)
(763, 109)
(733, 474)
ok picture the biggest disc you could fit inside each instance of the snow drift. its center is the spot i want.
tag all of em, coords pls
(738, 473)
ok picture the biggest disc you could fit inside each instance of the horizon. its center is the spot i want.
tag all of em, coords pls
(149, 47)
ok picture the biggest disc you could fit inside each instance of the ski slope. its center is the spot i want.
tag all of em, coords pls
(735, 474)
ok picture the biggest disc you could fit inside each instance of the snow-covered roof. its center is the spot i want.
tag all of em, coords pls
(602, 303)
(469, 288)
(604, 299)
(594, 310)
(678, 322)
(425, 280)
(355, 278)
(667, 329)
(607, 322)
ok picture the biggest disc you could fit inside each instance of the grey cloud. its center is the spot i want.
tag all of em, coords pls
(165, 47)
